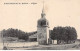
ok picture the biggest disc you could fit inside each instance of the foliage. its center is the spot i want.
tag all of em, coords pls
(15, 33)
(64, 33)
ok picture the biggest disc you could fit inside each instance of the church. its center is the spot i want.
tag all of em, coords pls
(42, 35)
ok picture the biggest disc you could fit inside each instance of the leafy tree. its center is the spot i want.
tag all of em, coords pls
(15, 33)
(71, 34)
(66, 34)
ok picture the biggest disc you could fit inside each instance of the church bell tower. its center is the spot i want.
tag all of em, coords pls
(42, 29)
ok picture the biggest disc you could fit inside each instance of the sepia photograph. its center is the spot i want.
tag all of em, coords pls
(39, 24)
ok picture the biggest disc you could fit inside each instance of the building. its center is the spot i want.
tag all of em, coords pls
(42, 35)
(43, 29)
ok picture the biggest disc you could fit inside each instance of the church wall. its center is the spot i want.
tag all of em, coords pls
(43, 35)
(47, 29)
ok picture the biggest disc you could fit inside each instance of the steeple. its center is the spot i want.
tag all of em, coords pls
(43, 29)
(43, 13)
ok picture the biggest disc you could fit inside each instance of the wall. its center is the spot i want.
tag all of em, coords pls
(21, 44)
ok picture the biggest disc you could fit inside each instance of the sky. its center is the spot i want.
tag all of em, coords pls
(25, 16)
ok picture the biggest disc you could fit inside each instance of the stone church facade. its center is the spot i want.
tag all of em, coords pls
(43, 29)
(42, 35)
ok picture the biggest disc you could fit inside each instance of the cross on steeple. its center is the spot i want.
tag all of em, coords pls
(43, 5)
(43, 14)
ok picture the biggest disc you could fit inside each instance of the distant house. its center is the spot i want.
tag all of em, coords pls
(78, 40)
(33, 37)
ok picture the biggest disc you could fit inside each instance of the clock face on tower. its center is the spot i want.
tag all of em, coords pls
(41, 36)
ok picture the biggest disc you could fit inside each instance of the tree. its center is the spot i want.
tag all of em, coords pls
(15, 33)
(66, 34)
(71, 34)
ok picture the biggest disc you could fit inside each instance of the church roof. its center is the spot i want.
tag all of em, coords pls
(33, 36)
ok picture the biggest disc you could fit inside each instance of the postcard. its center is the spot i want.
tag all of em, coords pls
(39, 24)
